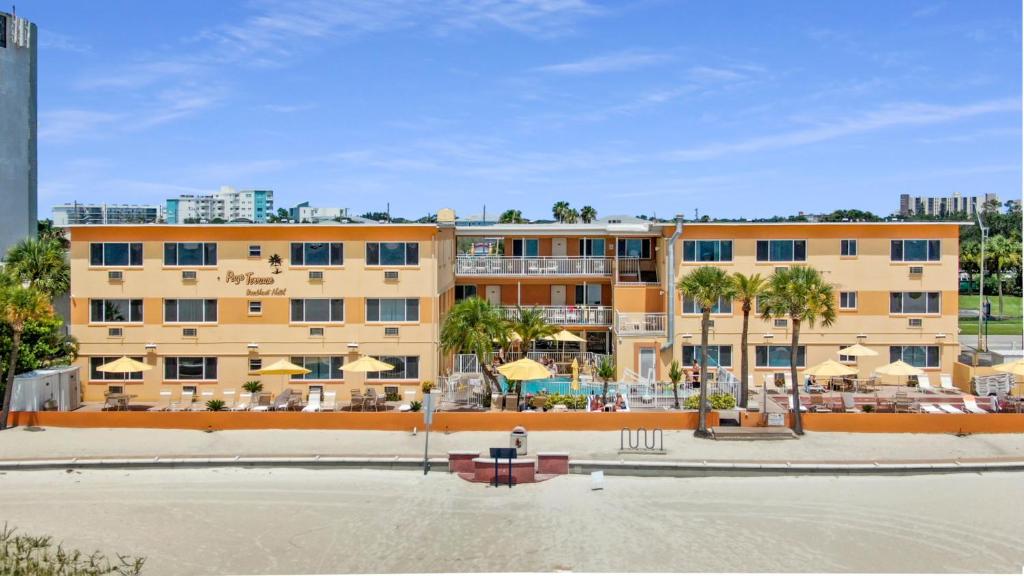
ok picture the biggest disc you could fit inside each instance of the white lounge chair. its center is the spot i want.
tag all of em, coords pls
(930, 408)
(314, 403)
(244, 400)
(330, 403)
(788, 378)
(229, 398)
(950, 409)
(971, 405)
(946, 382)
(925, 385)
(204, 397)
(802, 407)
(184, 403)
(165, 400)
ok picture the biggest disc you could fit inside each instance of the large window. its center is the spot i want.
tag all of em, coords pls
(526, 247)
(318, 254)
(115, 310)
(392, 253)
(592, 247)
(392, 310)
(781, 250)
(847, 247)
(588, 294)
(707, 250)
(405, 368)
(918, 356)
(915, 250)
(96, 361)
(463, 291)
(318, 310)
(777, 356)
(634, 248)
(914, 302)
(190, 254)
(190, 310)
(723, 306)
(320, 367)
(717, 355)
(190, 368)
(115, 254)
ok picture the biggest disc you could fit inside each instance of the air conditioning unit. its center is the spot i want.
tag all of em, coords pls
(915, 322)
(317, 332)
(115, 276)
(780, 323)
(316, 275)
(115, 332)
(391, 330)
(916, 270)
(189, 332)
(391, 275)
(188, 275)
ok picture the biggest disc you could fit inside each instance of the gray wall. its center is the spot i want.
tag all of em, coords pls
(18, 166)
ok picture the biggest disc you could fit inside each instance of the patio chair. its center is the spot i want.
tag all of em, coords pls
(849, 402)
(930, 409)
(204, 397)
(950, 409)
(314, 403)
(901, 402)
(924, 384)
(356, 401)
(971, 405)
(229, 398)
(817, 403)
(262, 403)
(244, 402)
(946, 383)
(370, 399)
(285, 400)
(380, 403)
(111, 402)
(330, 403)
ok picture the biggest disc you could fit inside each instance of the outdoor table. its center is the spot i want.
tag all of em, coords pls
(123, 400)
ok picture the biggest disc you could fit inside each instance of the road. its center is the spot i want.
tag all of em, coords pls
(251, 521)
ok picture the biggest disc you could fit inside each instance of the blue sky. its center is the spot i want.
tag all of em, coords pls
(730, 108)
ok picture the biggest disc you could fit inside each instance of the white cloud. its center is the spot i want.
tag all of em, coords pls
(60, 126)
(618, 62)
(50, 40)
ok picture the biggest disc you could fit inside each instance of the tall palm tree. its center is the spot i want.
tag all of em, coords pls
(748, 288)
(588, 214)
(571, 216)
(471, 327)
(559, 210)
(512, 217)
(706, 286)
(18, 304)
(1004, 252)
(606, 371)
(531, 325)
(41, 263)
(802, 295)
(675, 374)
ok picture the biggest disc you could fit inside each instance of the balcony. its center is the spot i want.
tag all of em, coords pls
(467, 265)
(640, 324)
(566, 315)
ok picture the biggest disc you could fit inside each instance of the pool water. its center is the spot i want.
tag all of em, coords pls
(557, 385)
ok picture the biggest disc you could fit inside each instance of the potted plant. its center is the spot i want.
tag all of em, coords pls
(428, 386)
(415, 405)
(253, 386)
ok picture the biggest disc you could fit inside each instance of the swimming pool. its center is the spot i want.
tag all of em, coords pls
(558, 385)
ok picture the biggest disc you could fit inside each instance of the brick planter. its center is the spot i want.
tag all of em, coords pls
(461, 461)
(553, 463)
(523, 470)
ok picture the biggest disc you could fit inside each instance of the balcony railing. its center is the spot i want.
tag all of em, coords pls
(640, 324)
(566, 315)
(467, 265)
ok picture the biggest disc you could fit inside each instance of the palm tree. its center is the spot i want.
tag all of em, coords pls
(41, 264)
(571, 216)
(512, 217)
(588, 214)
(800, 294)
(559, 210)
(675, 374)
(606, 371)
(18, 304)
(1005, 252)
(706, 285)
(471, 327)
(748, 288)
(531, 325)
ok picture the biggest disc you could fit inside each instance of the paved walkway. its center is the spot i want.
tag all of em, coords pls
(56, 443)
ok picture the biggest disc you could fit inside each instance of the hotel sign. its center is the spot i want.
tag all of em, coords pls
(259, 282)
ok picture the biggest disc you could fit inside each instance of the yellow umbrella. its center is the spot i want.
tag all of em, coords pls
(899, 368)
(513, 337)
(283, 367)
(524, 369)
(575, 384)
(367, 364)
(830, 368)
(857, 350)
(564, 336)
(124, 364)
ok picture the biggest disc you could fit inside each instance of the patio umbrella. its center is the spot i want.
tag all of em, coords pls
(575, 384)
(899, 368)
(857, 350)
(564, 336)
(367, 364)
(124, 365)
(524, 369)
(283, 367)
(830, 368)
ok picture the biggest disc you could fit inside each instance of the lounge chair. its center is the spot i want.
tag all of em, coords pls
(244, 401)
(330, 403)
(165, 400)
(802, 407)
(817, 402)
(229, 399)
(971, 405)
(950, 409)
(930, 409)
(314, 403)
(185, 401)
(262, 403)
(788, 379)
(204, 397)
(849, 402)
(285, 400)
(924, 384)
(946, 382)
(901, 402)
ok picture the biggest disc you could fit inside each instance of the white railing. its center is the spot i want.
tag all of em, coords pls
(630, 272)
(468, 265)
(565, 315)
(640, 324)
(466, 364)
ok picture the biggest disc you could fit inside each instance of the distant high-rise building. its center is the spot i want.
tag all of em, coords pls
(943, 205)
(305, 213)
(18, 165)
(229, 204)
(74, 214)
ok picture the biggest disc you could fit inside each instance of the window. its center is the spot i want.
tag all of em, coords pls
(115, 310)
(777, 356)
(781, 250)
(392, 253)
(707, 250)
(634, 248)
(318, 310)
(914, 302)
(3, 31)
(588, 295)
(255, 364)
(917, 356)
(592, 247)
(847, 300)
(847, 247)
(405, 368)
(96, 361)
(190, 310)
(463, 291)
(318, 254)
(255, 250)
(320, 367)
(526, 247)
(392, 310)
(190, 368)
(717, 355)
(915, 250)
(255, 307)
(115, 254)
(190, 254)
(723, 306)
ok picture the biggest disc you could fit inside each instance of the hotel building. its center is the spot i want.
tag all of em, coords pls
(209, 305)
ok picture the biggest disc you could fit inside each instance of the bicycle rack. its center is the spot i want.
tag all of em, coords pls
(653, 441)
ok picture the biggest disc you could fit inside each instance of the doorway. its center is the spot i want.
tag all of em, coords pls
(647, 363)
(558, 295)
(558, 246)
(494, 295)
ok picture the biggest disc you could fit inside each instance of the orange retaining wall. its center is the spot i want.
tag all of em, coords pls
(443, 421)
(916, 423)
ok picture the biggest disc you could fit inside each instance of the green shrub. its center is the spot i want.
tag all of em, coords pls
(215, 405)
(571, 401)
(38, 556)
(415, 405)
(715, 401)
(868, 408)
(392, 397)
(253, 386)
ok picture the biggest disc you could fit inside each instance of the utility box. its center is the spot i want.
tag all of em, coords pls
(55, 388)
(517, 440)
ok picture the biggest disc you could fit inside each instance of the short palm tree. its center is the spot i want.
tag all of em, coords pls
(706, 286)
(1005, 253)
(675, 374)
(588, 214)
(471, 327)
(40, 263)
(559, 210)
(748, 288)
(606, 372)
(571, 216)
(801, 295)
(19, 304)
(531, 325)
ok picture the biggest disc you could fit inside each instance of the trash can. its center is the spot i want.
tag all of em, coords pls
(517, 440)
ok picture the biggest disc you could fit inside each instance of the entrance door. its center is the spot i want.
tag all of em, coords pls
(558, 295)
(558, 246)
(494, 295)
(648, 357)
